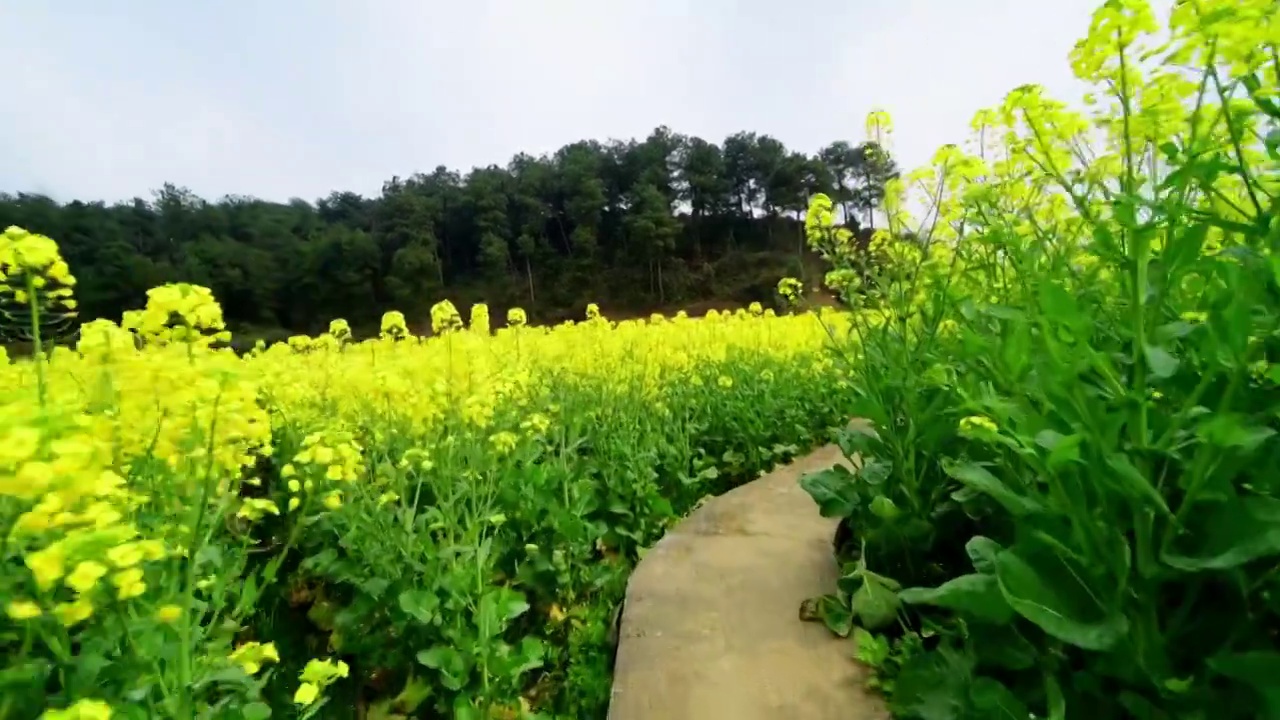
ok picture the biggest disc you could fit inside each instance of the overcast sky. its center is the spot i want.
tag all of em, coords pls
(295, 98)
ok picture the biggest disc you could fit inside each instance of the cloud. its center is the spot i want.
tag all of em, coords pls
(301, 97)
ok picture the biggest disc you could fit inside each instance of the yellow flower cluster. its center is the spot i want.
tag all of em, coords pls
(327, 458)
(393, 325)
(147, 440)
(179, 313)
(445, 318)
(251, 656)
(316, 676)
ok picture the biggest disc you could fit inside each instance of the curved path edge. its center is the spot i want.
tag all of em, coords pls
(711, 627)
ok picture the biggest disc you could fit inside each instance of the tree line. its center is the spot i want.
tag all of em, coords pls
(633, 224)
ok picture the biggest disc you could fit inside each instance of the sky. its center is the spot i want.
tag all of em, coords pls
(297, 98)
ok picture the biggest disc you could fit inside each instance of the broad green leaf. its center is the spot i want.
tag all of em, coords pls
(1051, 592)
(875, 605)
(1174, 330)
(1233, 431)
(995, 701)
(504, 604)
(834, 489)
(1002, 647)
(982, 553)
(1062, 448)
(884, 508)
(1227, 534)
(450, 663)
(375, 586)
(256, 711)
(1049, 439)
(1259, 669)
(978, 478)
(857, 439)
(1160, 361)
(872, 650)
(1058, 304)
(835, 614)
(933, 685)
(974, 595)
(874, 471)
(422, 605)
(530, 654)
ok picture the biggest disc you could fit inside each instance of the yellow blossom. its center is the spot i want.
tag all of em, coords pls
(306, 694)
(126, 555)
(168, 613)
(83, 709)
(73, 612)
(333, 500)
(129, 583)
(975, 423)
(86, 576)
(22, 610)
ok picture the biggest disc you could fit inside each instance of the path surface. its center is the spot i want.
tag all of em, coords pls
(711, 628)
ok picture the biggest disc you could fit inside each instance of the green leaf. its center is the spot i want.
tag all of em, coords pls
(835, 614)
(450, 663)
(933, 686)
(1229, 430)
(1133, 484)
(1002, 646)
(875, 605)
(978, 478)
(874, 472)
(1059, 305)
(995, 701)
(974, 595)
(1050, 591)
(1225, 534)
(256, 711)
(884, 508)
(464, 709)
(1062, 448)
(870, 649)
(422, 605)
(497, 608)
(834, 489)
(982, 553)
(531, 654)
(1054, 698)
(1174, 330)
(375, 586)
(1259, 670)
(1160, 361)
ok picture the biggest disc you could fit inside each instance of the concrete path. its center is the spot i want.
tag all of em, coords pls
(711, 627)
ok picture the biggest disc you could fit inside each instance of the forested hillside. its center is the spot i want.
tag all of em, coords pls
(634, 225)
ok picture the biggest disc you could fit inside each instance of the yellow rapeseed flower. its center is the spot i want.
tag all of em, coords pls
(22, 610)
(129, 583)
(86, 576)
(83, 709)
(333, 500)
(168, 614)
(306, 694)
(975, 423)
(73, 612)
(251, 656)
(126, 555)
